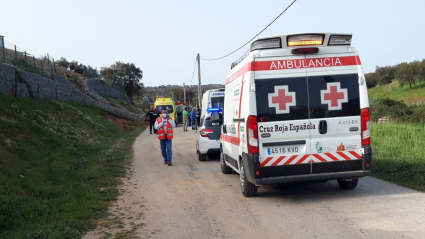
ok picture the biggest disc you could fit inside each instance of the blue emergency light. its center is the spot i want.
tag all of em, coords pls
(214, 109)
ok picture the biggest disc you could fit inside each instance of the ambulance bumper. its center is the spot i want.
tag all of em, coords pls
(252, 166)
(311, 177)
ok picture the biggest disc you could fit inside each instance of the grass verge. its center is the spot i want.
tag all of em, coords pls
(60, 165)
(414, 95)
(398, 154)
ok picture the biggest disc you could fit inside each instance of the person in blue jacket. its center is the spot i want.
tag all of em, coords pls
(193, 119)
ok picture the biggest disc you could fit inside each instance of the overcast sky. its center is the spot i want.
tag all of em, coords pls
(163, 37)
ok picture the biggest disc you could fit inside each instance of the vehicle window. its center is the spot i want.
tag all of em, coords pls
(283, 101)
(168, 107)
(207, 121)
(342, 84)
(202, 120)
(217, 102)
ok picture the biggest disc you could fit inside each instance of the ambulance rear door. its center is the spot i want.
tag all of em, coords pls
(333, 89)
(283, 116)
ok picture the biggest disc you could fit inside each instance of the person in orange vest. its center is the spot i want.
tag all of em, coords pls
(164, 126)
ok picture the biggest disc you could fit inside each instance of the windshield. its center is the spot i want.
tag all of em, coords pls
(217, 102)
(169, 108)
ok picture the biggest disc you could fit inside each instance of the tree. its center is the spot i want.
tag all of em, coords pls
(63, 63)
(371, 80)
(125, 75)
(408, 73)
(385, 75)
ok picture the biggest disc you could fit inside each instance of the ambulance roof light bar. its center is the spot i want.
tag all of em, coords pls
(338, 40)
(214, 109)
(305, 40)
(270, 43)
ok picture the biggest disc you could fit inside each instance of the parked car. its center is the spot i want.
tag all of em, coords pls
(208, 135)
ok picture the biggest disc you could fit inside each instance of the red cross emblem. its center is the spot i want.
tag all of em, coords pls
(334, 96)
(281, 99)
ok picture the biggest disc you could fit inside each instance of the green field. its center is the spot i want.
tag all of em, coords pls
(399, 153)
(60, 165)
(393, 91)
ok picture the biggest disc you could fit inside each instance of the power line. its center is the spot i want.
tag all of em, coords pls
(214, 59)
(194, 67)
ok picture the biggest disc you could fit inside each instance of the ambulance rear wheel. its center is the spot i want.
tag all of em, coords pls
(348, 184)
(224, 168)
(248, 189)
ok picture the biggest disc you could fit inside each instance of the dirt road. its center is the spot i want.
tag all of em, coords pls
(193, 199)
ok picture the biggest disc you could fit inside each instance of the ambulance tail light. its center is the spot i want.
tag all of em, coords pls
(305, 40)
(252, 136)
(365, 118)
(266, 44)
(336, 40)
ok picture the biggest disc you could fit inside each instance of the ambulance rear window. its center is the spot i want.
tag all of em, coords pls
(217, 102)
(339, 91)
(299, 98)
(275, 101)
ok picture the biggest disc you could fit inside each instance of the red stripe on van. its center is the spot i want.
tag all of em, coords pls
(290, 159)
(278, 160)
(343, 155)
(358, 60)
(358, 156)
(241, 71)
(319, 157)
(292, 64)
(332, 157)
(231, 139)
(302, 159)
(266, 161)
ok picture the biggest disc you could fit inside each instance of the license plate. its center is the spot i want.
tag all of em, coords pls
(283, 150)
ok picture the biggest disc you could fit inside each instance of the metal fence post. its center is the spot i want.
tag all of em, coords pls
(2, 43)
(42, 71)
(16, 82)
(48, 63)
(54, 65)
(35, 68)
(16, 57)
(26, 63)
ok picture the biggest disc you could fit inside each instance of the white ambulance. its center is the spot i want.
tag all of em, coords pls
(213, 98)
(296, 109)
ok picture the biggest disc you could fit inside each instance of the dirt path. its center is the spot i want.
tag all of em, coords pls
(192, 199)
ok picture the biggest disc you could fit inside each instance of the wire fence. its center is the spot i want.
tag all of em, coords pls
(12, 54)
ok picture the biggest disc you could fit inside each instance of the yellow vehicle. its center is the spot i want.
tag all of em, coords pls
(166, 103)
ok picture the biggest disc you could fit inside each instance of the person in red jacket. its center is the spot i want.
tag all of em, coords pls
(164, 126)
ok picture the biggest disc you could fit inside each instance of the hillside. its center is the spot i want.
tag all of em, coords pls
(416, 95)
(59, 166)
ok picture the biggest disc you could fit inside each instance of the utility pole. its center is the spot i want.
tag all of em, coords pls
(199, 80)
(184, 92)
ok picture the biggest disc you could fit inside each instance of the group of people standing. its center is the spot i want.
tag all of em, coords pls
(194, 116)
(163, 125)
